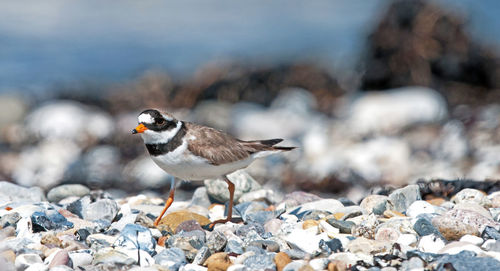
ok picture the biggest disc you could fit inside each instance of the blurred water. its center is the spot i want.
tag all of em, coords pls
(57, 41)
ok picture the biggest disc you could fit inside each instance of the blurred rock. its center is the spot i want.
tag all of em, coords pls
(11, 192)
(217, 189)
(12, 111)
(402, 198)
(63, 191)
(390, 111)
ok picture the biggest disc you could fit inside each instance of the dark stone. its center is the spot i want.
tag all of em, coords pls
(425, 256)
(346, 202)
(424, 227)
(190, 242)
(466, 260)
(490, 233)
(296, 254)
(43, 222)
(331, 246)
(316, 215)
(202, 255)
(343, 226)
(82, 234)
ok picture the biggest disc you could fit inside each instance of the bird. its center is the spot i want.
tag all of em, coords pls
(191, 152)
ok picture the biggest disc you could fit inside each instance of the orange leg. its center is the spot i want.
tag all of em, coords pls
(230, 186)
(168, 203)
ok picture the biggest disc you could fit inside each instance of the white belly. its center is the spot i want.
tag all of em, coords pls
(183, 165)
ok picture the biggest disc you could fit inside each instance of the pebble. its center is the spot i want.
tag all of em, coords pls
(281, 259)
(171, 258)
(24, 261)
(243, 182)
(431, 243)
(376, 204)
(343, 226)
(136, 237)
(424, 227)
(190, 242)
(10, 192)
(297, 198)
(61, 192)
(470, 195)
(420, 207)
(490, 233)
(172, 220)
(402, 198)
(218, 262)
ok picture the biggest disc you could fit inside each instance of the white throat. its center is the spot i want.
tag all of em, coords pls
(157, 137)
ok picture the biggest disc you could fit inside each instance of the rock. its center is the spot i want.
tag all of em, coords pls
(67, 190)
(234, 246)
(281, 259)
(202, 255)
(260, 262)
(366, 226)
(390, 111)
(55, 221)
(420, 207)
(471, 239)
(328, 205)
(305, 240)
(192, 267)
(95, 207)
(135, 237)
(171, 258)
(474, 207)
(24, 261)
(264, 195)
(60, 258)
(80, 258)
(10, 192)
(218, 262)
(407, 239)
(216, 241)
(190, 242)
(471, 218)
(376, 204)
(200, 197)
(414, 263)
(490, 233)
(466, 260)
(188, 225)
(174, 219)
(337, 266)
(273, 226)
(453, 229)
(331, 246)
(318, 263)
(244, 230)
(457, 247)
(491, 245)
(217, 189)
(9, 219)
(470, 195)
(424, 227)
(297, 198)
(367, 246)
(430, 243)
(387, 234)
(343, 226)
(402, 198)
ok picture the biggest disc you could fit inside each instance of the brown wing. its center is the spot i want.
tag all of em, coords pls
(216, 146)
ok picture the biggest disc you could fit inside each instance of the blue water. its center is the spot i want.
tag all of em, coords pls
(43, 43)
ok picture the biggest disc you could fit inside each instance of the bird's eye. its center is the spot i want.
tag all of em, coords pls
(159, 121)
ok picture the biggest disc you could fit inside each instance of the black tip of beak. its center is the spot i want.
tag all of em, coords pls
(134, 131)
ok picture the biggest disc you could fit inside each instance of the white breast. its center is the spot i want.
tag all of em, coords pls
(186, 166)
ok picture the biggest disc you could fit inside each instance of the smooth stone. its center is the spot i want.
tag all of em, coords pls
(59, 258)
(473, 207)
(331, 246)
(368, 246)
(297, 198)
(80, 258)
(37, 267)
(469, 195)
(457, 247)
(109, 255)
(424, 227)
(243, 182)
(315, 215)
(490, 233)
(319, 263)
(452, 229)
(200, 197)
(24, 261)
(9, 219)
(67, 190)
(491, 245)
(420, 207)
(304, 240)
(343, 226)
(494, 199)
(414, 263)
(10, 192)
(387, 234)
(192, 267)
(44, 222)
(264, 195)
(407, 239)
(216, 241)
(295, 266)
(174, 219)
(218, 261)
(202, 255)
(281, 259)
(105, 209)
(134, 237)
(471, 239)
(188, 225)
(328, 205)
(402, 198)
(430, 243)
(171, 258)
(376, 204)
(190, 242)
(273, 226)
(471, 218)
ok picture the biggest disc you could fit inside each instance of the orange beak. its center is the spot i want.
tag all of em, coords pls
(139, 129)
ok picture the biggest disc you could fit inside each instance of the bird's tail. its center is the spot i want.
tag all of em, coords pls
(269, 144)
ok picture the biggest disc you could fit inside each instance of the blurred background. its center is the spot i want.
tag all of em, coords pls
(372, 92)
